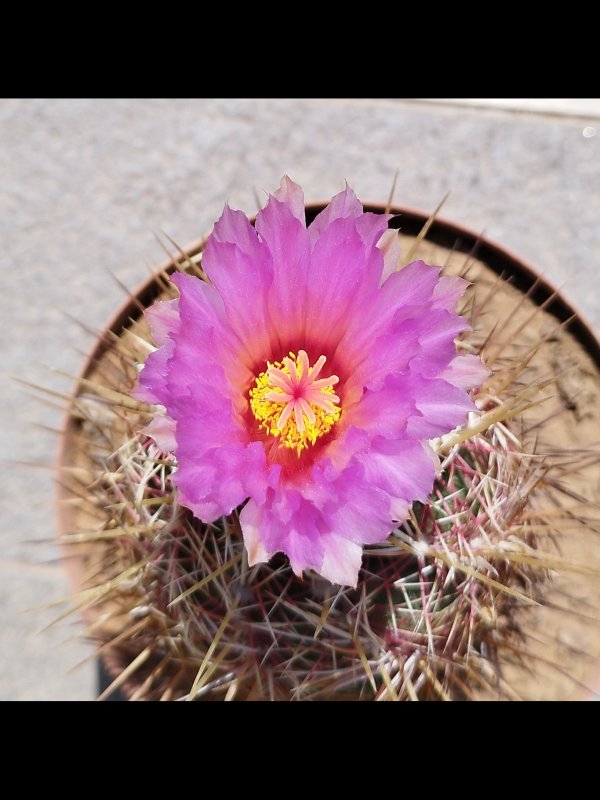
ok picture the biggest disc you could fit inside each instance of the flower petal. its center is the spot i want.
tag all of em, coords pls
(411, 404)
(240, 268)
(291, 525)
(216, 481)
(466, 372)
(404, 294)
(162, 430)
(371, 227)
(343, 205)
(384, 412)
(404, 469)
(390, 246)
(163, 318)
(442, 407)
(289, 246)
(361, 513)
(448, 291)
(341, 272)
(208, 354)
(341, 561)
(292, 195)
(250, 522)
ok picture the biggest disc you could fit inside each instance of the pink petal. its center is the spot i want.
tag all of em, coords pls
(442, 407)
(412, 285)
(292, 195)
(406, 291)
(384, 412)
(215, 482)
(437, 334)
(342, 206)
(291, 525)
(403, 469)
(389, 354)
(448, 292)
(250, 521)
(289, 246)
(339, 453)
(371, 228)
(341, 561)
(208, 354)
(417, 340)
(362, 513)
(162, 430)
(163, 318)
(466, 372)
(342, 275)
(303, 550)
(390, 246)
(240, 267)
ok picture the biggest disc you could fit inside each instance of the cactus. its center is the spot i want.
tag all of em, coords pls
(442, 607)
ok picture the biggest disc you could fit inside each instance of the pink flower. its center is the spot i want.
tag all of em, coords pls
(308, 378)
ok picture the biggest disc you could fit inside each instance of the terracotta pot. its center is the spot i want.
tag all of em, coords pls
(442, 234)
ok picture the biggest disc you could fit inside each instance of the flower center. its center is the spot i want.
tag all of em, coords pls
(290, 401)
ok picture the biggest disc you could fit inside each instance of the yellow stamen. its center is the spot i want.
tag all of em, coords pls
(291, 402)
